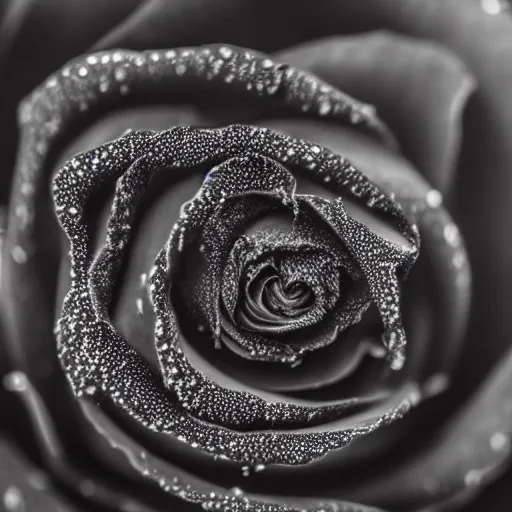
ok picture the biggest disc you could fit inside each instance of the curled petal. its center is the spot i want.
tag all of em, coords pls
(381, 262)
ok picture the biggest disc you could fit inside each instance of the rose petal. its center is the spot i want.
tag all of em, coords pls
(175, 481)
(23, 486)
(468, 452)
(381, 262)
(485, 178)
(351, 143)
(422, 91)
(319, 369)
(82, 482)
(43, 36)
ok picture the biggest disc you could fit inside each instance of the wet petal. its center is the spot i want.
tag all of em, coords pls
(23, 486)
(45, 35)
(418, 87)
(176, 482)
(468, 452)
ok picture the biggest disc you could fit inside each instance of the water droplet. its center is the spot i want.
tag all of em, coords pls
(499, 441)
(436, 384)
(52, 82)
(90, 390)
(493, 7)
(459, 259)
(451, 234)
(27, 188)
(368, 110)
(140, 306)
(120, 74)
(13, 500)
(22, 213)
(434, 198)
(225, 52)
(16, 382)
(398, 362)
(377, 351)
(473, 477)
(325, 108)
(19, 255)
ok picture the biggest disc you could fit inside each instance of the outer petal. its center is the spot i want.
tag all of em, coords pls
(467, 453)
(24, 487)
(42, 36)
(419, 88)
(485, 178)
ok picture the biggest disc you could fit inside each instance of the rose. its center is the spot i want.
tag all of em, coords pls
(472, 476)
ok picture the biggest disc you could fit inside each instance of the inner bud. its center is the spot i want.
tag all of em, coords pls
(272, 301)
(291, 300)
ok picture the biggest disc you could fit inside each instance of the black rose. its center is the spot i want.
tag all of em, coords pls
(280, 297)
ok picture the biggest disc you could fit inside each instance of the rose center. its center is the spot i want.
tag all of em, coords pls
(289, 300)
(269, 302)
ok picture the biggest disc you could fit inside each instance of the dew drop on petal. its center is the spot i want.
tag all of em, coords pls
(499, 441)
(494, 7)
(140, 306)
(436, 384)
(473, 477)
(434, 198)
(13, 500)
(19, 255)
(15, 382)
